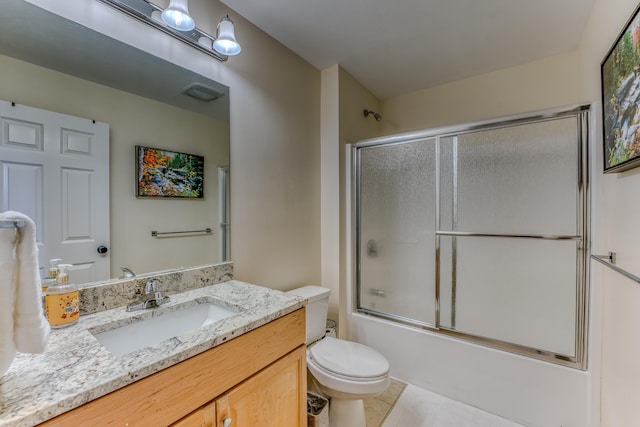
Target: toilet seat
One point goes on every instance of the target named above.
(347, 370)
(348, 360)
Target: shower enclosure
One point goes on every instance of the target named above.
(479, 232)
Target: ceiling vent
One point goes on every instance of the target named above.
(202, 92)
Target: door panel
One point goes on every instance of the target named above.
(56, 171)
(76, 204)
(16, 177)
(271, 397)
(22, 134)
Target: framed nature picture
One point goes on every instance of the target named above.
(620, 73)
(163, 173)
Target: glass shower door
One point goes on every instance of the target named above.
(510, 234)
(396, 230)
(479, 232)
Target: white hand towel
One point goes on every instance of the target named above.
(7, 261)
(23, 326)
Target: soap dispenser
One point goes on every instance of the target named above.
(54, 269)
(62, 300)
(51, 277)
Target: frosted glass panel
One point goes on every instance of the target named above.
(447, 158)
(519, 179)
(397, 229)
(521, 291)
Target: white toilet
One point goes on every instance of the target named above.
(344, 371)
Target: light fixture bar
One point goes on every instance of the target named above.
(144, 11)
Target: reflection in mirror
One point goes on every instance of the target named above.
(54, 64)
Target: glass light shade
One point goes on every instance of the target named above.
(226, 42)
(177, 16)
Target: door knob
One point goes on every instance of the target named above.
(102, 250)
(226, 422)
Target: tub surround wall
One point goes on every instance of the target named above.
(100, 296)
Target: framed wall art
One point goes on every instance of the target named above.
(164, 173)
(620, 73)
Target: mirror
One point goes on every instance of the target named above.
(55, 64)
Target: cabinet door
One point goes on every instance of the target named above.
(275, 396)
(203, 417)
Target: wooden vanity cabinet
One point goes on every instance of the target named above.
(257, 379)
(269, 398)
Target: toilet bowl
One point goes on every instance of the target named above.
(346, 372)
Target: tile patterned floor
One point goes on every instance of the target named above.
(377, 408)
(405, 405)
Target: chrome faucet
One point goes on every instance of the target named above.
(152, 297)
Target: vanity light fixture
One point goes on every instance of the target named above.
(160, 19)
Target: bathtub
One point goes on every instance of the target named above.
(521, 389)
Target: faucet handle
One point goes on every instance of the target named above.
(151, 287)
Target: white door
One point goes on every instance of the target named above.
(55, 169)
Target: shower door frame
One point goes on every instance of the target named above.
(582, 238)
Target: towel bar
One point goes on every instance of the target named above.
(156, 233)
(515, 236)
(610, 261)
(11, 223)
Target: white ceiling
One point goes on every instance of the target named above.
(394, 47)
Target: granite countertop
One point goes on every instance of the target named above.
(76, 369)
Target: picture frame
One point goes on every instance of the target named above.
(620, 84)
(164, 173)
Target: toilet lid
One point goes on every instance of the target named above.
(348, 358)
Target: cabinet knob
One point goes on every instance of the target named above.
(226, 422)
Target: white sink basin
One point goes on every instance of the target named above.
(145, 333)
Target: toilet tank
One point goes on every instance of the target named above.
(317, 308)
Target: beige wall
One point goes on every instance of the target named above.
(275, 162)
(135, 120)
(549, 82)
(330, 186)
(354, 99)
